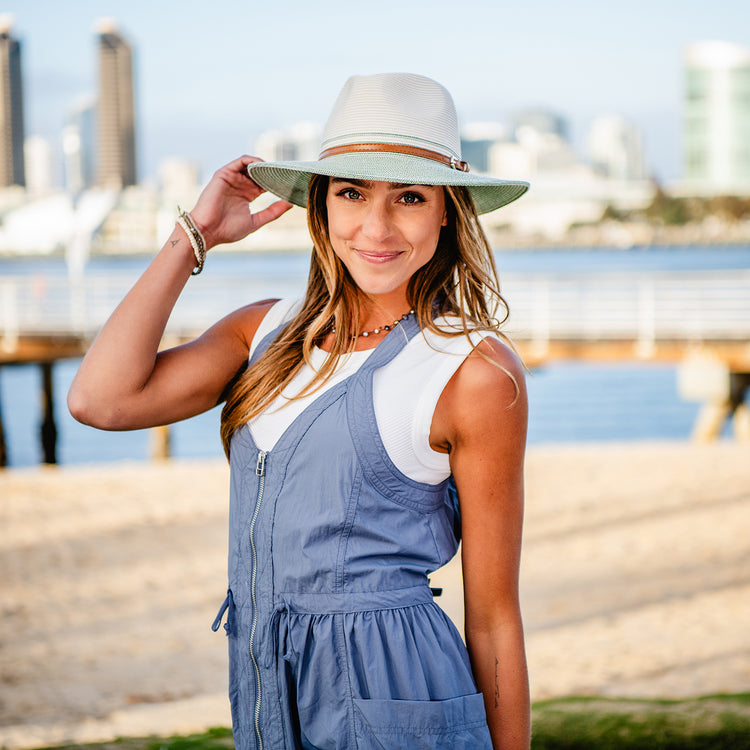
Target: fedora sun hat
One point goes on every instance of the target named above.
(390, 127)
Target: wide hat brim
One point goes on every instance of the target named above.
(289, 179)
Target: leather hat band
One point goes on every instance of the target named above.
(394, 148)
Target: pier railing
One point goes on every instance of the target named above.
(642, 308)
(645, 309)
(705, 315)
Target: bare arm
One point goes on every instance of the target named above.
(124, 382)
(481, 419)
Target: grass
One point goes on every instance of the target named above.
(719, 722)
(218, 738)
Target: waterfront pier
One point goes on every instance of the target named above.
(700, 319)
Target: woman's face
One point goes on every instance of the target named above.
(384, 232)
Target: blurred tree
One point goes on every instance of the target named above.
(667, 209)
(729, 207)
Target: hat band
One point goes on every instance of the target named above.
(394, 148)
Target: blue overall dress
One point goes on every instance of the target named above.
(334, 638)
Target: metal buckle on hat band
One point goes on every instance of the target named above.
(462, 166)
(397, 148)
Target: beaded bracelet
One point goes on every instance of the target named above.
(194, 235)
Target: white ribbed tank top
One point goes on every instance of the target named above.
(405, 391)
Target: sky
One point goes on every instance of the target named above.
(210, 76)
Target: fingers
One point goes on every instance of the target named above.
(246, 162)
(243, 163)
(235, 172)
(240, 164)
(269, 214)
(245, 159)
(223, 205)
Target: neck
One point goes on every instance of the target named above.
(376, 311)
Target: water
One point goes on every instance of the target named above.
(664, 258)
(569, 401)
(77, 443)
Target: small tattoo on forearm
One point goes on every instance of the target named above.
(497, 685)
(173, 242)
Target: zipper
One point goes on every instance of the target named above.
(260, 470)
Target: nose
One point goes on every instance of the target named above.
(376, 224)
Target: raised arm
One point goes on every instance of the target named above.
(124, 382)
(481, 419)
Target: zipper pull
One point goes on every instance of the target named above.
(260, 467)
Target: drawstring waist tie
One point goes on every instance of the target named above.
(301, 603)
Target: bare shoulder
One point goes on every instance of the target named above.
(251, 313)
(485, 398)
(243, 322)
(493, 370)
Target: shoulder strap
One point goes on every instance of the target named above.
(393, 343)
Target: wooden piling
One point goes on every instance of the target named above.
(716, 411)
(48, 429)
(161, 443)
(3, 448)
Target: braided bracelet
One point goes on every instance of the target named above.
(194, 235)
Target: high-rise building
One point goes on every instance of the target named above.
(717, 117)
(11, 108)
(79, 146)
(39, 159)
(616, 148)
(542, 121)
(116, 109)
(300, 142)
(477, 139)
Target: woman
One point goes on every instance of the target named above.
(372, 416)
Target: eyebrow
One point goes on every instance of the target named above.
(369, 183)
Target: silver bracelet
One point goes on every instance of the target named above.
(194, 235)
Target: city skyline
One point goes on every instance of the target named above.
(717, 116)
(12, 167)
(116, 131)
(209, 80)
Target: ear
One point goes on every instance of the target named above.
(444, 222)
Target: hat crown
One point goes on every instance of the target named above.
(395, 108)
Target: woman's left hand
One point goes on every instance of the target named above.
(222, 213)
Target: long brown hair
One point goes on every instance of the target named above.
(460, 280)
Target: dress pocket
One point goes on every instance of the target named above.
(453, 724)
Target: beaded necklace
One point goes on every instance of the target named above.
(382, 329)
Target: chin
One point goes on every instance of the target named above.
(377, 290)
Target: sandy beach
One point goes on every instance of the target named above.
(635, 581)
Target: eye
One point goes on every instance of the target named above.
(350, 193)
(411, 198)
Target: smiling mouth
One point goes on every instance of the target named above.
(374, 257)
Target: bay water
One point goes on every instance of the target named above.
(570, 401)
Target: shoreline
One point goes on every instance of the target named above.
(635, 583)
(606, 237)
